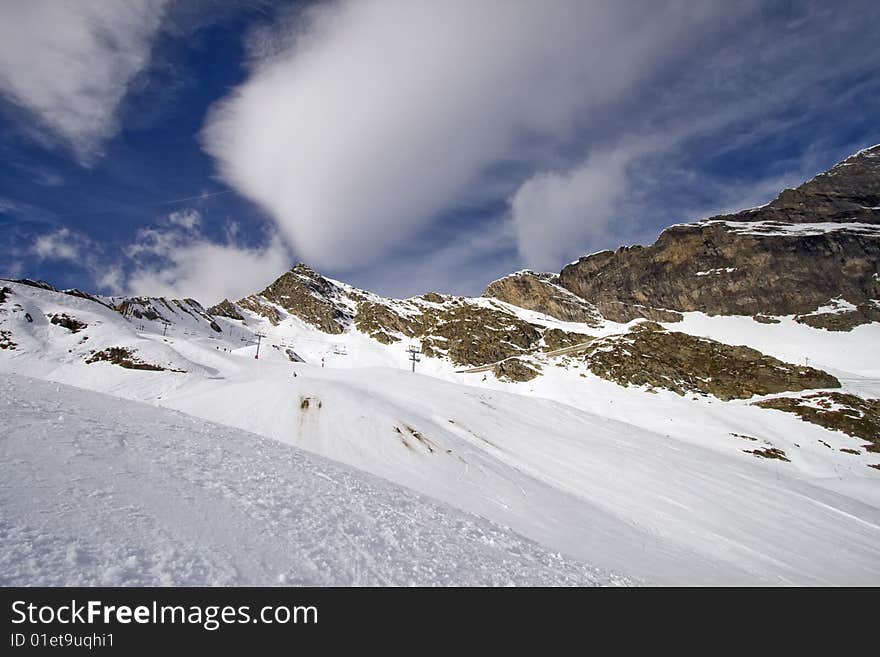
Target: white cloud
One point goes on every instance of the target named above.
(175, 259)
(66, 245)
(362, 123)
(381, 114)
(187, 219)
(69, 63)
(61, 244)
(637, 179)
(552, 211)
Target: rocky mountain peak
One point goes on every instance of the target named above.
(812, 246)
(848, 192)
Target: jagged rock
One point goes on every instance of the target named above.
(651, 356)
(766, 319)
(542, 293)
(74, 292)
(376, 319)
(849, 191)
(311, 297)
(555, 338)
(468, 333)
(513, 369)
(3, 292)
(226, 309)
(743, 273)
(617, 311)
(43, 285)
(478, 336)
(140, 307)
(839, 411)
(259, 307)
(786, 258)
(847, 320)
(72, 324)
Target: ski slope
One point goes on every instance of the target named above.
(102, 491)
(658, 487)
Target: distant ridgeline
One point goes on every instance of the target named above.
(812, 256)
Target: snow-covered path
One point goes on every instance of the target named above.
(102, 491)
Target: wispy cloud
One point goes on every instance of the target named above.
(69, 63)
(174, 258)
(62, 244)
(77, 249)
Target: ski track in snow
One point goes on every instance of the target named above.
(101, 491)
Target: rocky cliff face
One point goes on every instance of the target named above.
(811, 245)
(542, 293)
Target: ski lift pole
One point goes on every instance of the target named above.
(414, 356)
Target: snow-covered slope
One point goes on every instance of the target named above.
(101, 491)
(733, 438)
(660, 487)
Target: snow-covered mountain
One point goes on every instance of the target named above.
(662, 440)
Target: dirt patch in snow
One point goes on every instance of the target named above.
(769, 453)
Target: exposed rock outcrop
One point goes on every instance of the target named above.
(226, 309)
(513, 369)
(542, 293)
(843, 320)
(848, 192)
(260, 307)
(467, 333)
(815, 243)
(64, 320)
(729, 270)
(650, 356)
(854, 416)
(164, 310)
(125, 358)
(555, 338)
(308, 295)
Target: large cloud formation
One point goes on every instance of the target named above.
(362, 123)
(379, 115)
(69, 63)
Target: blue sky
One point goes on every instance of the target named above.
(201, 148)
